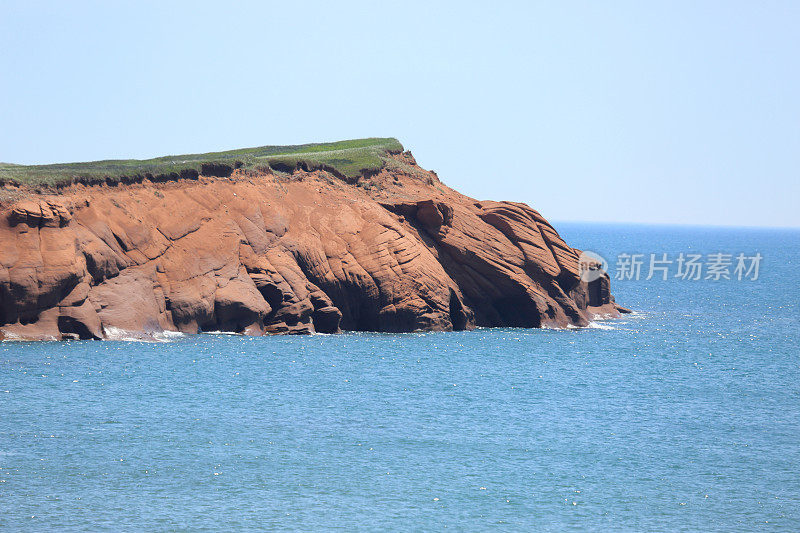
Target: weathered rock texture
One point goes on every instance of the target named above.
(261, 253)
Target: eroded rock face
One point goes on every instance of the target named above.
(259, 253)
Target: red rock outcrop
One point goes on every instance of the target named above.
(261, 253)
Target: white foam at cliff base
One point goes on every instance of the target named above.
(13, 337)
(591, 325)
(118, 334)
(605, 316)
(166, 335)
(599, 325)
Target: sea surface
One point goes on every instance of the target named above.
(684, 416)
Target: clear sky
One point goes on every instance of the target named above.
(676, 112)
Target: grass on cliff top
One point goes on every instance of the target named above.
(348, 159)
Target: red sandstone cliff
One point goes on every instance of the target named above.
(265, 253)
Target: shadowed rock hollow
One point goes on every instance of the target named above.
(262, 252)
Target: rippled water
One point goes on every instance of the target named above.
(685, 416)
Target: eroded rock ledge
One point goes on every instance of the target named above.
(260, 253)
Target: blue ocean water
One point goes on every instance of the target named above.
(682, 417)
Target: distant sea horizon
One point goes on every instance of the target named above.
(557, 223)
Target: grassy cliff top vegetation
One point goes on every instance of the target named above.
(346, 159)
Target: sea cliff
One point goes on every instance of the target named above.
(315, 241)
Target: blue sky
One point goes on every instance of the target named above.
(671, 112)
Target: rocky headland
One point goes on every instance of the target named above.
(291, 245)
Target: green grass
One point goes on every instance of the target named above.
(347, 159)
